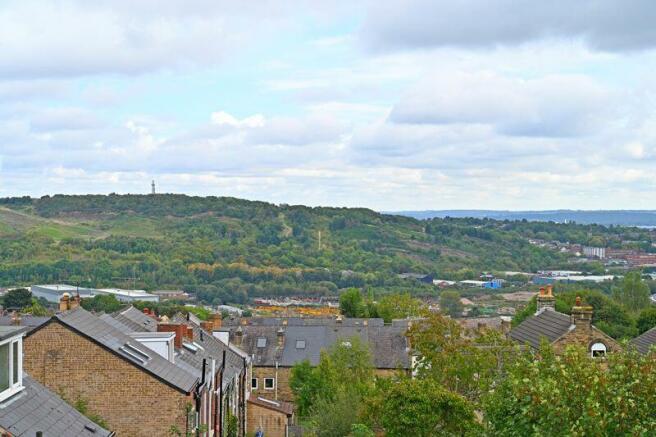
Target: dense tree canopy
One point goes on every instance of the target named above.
(229, 250)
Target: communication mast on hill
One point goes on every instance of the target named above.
(152, 185)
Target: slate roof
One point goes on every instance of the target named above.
(38, 409)
(212, 347)
(26, 320)
(11, 331)
(645, 341)
(133, 320)
(285, 408)
(387, 343)
(121, 344)
(548, 324)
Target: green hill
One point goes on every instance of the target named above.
(228, 249)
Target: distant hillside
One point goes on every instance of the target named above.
(228, 250)
(610, 217)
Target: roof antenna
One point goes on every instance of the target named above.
(152, 185)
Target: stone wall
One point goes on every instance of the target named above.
(585, 336)
(131, 401)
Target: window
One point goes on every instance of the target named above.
(261, 342)
(254, 384)
(598, 350)
(269, 383)
(300, 344)
(11, 367)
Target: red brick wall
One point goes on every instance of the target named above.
(131, 401)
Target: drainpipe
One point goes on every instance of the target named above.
(221, 395)
(275, 383)
(244, 380)
(210, 396)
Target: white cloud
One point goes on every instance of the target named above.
(611, 25)
(222, 118)
(546, 106)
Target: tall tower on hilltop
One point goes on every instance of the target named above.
(152, 185)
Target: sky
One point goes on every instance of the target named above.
(388, 104)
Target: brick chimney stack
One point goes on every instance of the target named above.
(74, 302)
(546, 299)
(239, 335)
(280, 334)
(179, 329)
(215, 318)
(64, 302)
(15, 318)
(581, 315)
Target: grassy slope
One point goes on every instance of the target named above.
(167, 232)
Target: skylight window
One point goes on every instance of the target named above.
(300, 344)
(261, 342)
(190, 346)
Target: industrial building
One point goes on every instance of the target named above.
(53, 292)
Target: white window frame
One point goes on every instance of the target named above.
(593, 350)
(14, 386)
(273, 386)
(253, 386)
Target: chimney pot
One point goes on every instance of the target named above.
(64, 302)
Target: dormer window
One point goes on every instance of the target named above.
(598, 350)
(11, 364)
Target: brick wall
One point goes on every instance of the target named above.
(133, 402)
(273, 423)
(284, 393)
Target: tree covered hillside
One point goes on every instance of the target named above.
(228, 249)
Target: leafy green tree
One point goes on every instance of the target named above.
(450, 303)
(351, 303)
(572, 394)
(633, 293)
(330, 395)
(102, 303)
(464, 364)
(36, 309)
(398, 306)
(423, 407)
(18, 298)
(646, 320)
(306, 385)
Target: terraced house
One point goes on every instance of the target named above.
(275, 345)
(142, 376)
(27, 408)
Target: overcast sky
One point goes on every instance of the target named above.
(413, 104)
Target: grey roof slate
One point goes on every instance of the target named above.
(38, 409)
(115, 339)
(11, 331)
(26, 320)
(387, 343)
(548, 324)
(212, 349)
(645, 341)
